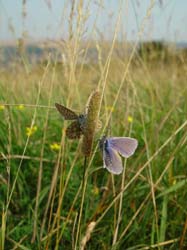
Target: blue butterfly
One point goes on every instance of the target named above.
(112, 147)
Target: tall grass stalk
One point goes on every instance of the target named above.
(25, 147)
(119, 216)
(35, 226)
(84, 183)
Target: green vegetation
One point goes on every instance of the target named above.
(47, 199)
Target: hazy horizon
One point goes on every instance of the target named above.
(48, 20)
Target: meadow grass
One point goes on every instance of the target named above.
(48, 200)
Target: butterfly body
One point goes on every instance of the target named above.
(105, 144)
(112, 148)
(82, 121)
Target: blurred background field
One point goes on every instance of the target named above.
(45, 203)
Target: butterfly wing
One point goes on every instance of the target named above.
(74, 131)
(126, 146)
(112, 160)
(65, 112)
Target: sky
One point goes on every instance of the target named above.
(49, 19)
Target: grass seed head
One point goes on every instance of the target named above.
(91, 122)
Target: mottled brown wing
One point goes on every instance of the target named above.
(65, 112)
(74, 131)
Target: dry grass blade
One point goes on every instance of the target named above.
(87, 236)
(184, 235)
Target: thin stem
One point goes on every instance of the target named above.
(85, 176)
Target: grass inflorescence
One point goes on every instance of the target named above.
(91, 122)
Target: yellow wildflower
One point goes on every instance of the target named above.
(55, 146)
(2, 107)
(174, 181)
(130, 119)
(20, 107)
(110, 108)
(95, 190)
(31, 130)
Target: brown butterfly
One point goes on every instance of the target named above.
(76, 128)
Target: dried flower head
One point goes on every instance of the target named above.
(91, 122)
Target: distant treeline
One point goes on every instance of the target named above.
(161, 51)
(147, 51)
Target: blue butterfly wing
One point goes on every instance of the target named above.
(112, 160)
(126, 146)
